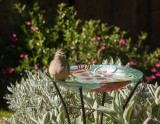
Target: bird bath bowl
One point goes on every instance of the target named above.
(100, 78)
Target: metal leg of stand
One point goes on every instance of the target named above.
(131, 94)
(64, 105)
(82, 104)
(103, 100)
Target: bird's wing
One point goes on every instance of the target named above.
(67, 65)
(52, 69)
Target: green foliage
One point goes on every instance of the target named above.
(34, 99)
(88, 41)
(5, 113)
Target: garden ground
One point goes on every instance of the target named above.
(1, 122)
(6, 114)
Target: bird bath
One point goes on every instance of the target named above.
(98, 78)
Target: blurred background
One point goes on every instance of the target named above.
(133, 16)
(89, 31)
(28, 41)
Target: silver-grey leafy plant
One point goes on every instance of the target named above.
(35, 101)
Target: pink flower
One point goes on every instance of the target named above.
(122, 42)
(10, 70)
(103, 44)
(14, 35)
(35, 28)
(158, 74)
(21, 56)
(15, 39)
(96, 38)
(4, 71)
(36, 67)
(153, 70)
(13, 46)
(94, 61)
(103, 47)
(153, 77)
(132, 63)
(27, 22)
(157, 65)
(46, 69)
(37, 64)
(88, 54)
(148, 79)
(25, 55)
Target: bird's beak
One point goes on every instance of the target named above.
(63, 55)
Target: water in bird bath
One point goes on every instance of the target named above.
(100, 74)
(100, 78)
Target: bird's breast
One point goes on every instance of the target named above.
(61, 67)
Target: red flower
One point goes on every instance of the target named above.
(103, 47)
(153, 70)
(153, 77)
(27, 22)
(132, 63)
(94, 61)
(36, 67)
(10, 70)
(88, 54)
(157, 65)
(148, 79)
(103, 44)
(14, 35)
(158, 74)
(35, 28)
(15, 39)
(122, 42)
(23, 55)
(96, 38)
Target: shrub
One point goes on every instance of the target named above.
(34, 100)
(89, 42)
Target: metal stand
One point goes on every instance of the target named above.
(131, 94)
(64, 105)
(103, 100)
(82, 103)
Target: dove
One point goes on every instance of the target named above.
(59, 68)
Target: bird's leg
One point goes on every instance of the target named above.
(55, 80)
(54, 77)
